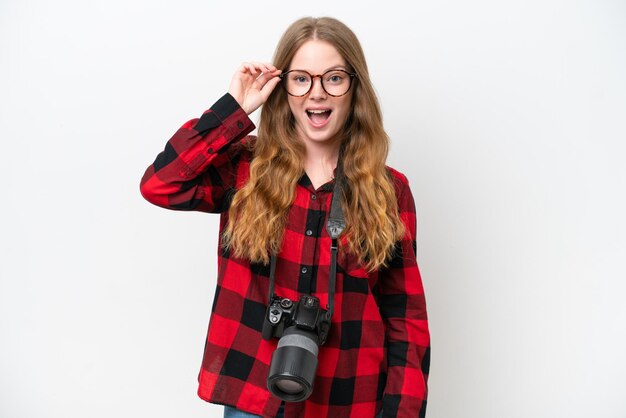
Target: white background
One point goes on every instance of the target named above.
(507, 117)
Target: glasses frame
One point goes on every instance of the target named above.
(321, 77)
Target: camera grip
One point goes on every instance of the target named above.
(268, 328)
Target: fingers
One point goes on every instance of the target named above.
(257, 68)
(260, 74)
(268, 87)
(267, 76)
(252, 84)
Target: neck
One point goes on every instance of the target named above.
(320, 161)
(326, 154)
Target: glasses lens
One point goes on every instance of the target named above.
(336, 82)
(298, 83)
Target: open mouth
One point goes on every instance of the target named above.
(318, 117)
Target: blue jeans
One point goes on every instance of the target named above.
(230, 412)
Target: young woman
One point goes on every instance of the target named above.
(274, 194)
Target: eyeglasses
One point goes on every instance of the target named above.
(299, 83)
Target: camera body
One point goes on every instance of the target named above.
(301, 328)
(306, 314)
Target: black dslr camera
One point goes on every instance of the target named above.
(301, 328)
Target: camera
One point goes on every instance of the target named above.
(301, 328)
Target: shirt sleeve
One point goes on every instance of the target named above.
(403, 309)
(201, 162)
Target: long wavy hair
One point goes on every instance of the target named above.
(258, 211)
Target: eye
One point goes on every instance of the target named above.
(335, 77)
(300, 78)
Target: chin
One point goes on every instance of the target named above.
(320, 137)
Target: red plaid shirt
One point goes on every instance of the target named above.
(378, 350)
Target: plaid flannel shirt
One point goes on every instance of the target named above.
(378, 351)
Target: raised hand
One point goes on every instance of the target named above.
(252, 84)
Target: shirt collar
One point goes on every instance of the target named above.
(305, 182)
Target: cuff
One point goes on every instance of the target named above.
(221, 111)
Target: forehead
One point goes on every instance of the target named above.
(317, 56)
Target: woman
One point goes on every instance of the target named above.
(274, 194)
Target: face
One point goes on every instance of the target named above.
(319, 117)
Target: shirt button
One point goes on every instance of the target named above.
(313, 196)
(304, 270)
(210, 150)
(240, 125)
(309, 232)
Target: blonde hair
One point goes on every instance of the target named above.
(258, 211)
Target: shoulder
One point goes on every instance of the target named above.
(406, 202)
(397, 176)
(400, 181)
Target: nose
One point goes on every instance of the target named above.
(317, 90)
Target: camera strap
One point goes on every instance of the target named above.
(335, 225)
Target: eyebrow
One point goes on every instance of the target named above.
(337, 67)
(334, 67)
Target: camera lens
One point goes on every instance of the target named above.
(289, 386)
(293, 366)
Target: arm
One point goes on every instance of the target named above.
(199, 163)
(203, 161)
(403, 309)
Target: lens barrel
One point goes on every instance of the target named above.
(293, 365)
